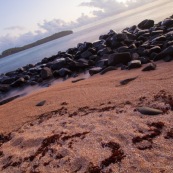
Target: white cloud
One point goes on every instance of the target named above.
(15, 28)
(101, 9)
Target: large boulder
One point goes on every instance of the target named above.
(146, 24)
(7, 80)
(167, 22)
(19, 82)
(119, 58)
(102, 63)
(46, 73)
(86, 54)
(149, 67)
(57, 64)
(4, 87)
(164, 53)
(62, 72)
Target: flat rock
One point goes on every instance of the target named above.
(41, 103)
(149, 111)
(9, 99)
(126, 81)
(110, 68)
(149, 67)
(94, 70)
(134, 64)
(118, 58)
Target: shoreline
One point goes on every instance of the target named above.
(118, 120)
(133, 47)
(101, 111)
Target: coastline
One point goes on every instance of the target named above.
(101, 111)
(117, 120)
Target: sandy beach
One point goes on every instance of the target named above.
(92, 126)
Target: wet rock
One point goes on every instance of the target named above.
(32, 83)
(41, 103)
(165, 52)
(156, 49)
(46, 73)
(118, 58)
(149, 111)
(157, 32)
(9, 99)
(123, 49)
(27, 77)
(134, 64)
(86, 54)
(7, 80)
(57, 64)
(95, 70)
(4, 87)
(168, 58)
(149, 67)
(110, 68)
(35, 70)
(21, 81)
(169, 35)
(167, 22)
(146, 24)
(159, 39)
(104, 51)
(62, 72)
(102, 63)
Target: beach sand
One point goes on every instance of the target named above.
(92, 126)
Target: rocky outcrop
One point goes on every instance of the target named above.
(132, 48)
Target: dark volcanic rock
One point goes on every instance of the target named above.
(86, 54)
(102, 63)
(41, 103)
(57, 64)
(104, 51)
(164, 53)
(4, 87)
(146, 24)
(167, 22)
(118, 58)
(149, 111)
(110, 68)
(95, 70)
(7, 80)
(149, 67)
(21, 81)
(46, 73)
(134, 64)
(62, 72)
(168, 58)
(9, 99)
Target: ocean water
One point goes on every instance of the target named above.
(157, 11)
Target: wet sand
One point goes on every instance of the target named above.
(92, 126)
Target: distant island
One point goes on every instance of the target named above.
(41, 41)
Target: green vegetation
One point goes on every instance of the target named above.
(41, 41)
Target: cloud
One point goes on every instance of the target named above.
(100, 9)
(110, 7)
(15, 28)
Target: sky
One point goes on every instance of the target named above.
(25, 21)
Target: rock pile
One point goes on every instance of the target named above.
(133, 47)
